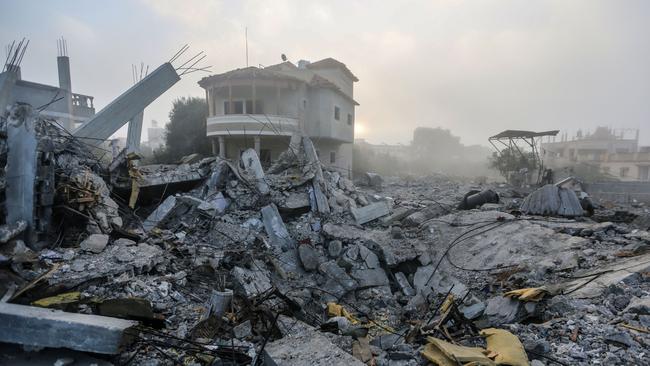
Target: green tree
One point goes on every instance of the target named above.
(185, 133)
(511, 160)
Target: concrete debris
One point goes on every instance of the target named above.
(236, 263)
(95, 243)
(8, 232)
(38, 327)
(371, 212)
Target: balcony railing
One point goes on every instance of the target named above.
(252, 124)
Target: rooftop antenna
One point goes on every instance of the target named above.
(246, 41)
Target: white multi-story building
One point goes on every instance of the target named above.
(262, 107)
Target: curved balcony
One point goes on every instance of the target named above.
(251, 124)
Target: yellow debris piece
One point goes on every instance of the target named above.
(528, 294)
(444, 353)
(506, 346)
(66, 298)
(334, 309)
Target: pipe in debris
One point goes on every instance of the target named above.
(474, 199)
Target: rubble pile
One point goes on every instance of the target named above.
(218, 262)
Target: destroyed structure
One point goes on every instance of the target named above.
(616, 154)
(219, 261)
(261, 107)
(57, 102)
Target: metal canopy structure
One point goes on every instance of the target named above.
(509, 139)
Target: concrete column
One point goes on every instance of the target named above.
(256, 140)
(215, 147)
(65, 83)
(208, 99)
(222, 147)
(254, 96)
(134, 133)
(231, 105)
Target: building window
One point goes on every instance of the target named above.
(349, 119)
(624, 172)
(337, 113)
(332, 157)
(238, 107)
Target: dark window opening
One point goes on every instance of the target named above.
(332, 157)
(337, 113)
(243, 107)
(349, 119)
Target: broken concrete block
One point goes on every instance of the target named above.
(307, 348)
(404, 284)
(216, 205)
(159, 214)
(639, 306)
(95, 243)
(334, 248)
(253, 167)
(371, 277)
(243, 330)
(309, 257)
(335, 273)
(425, 283)
(39, 327)
(275, 228)
(398, 214)
(505, 310)
(371, 212)
(250, 283)
(473, 311)
(296, 203)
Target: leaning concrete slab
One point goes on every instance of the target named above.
(275, 228)
(253, 167)
(127, 106)
(32, 326)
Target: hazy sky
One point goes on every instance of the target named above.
(475, 67)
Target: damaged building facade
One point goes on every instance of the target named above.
(614, 153)
(261, 107)
(68, 108)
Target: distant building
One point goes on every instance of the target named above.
(613, 152)
(156, 135)
(398, 151)
(58, 102)
(260, 108)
